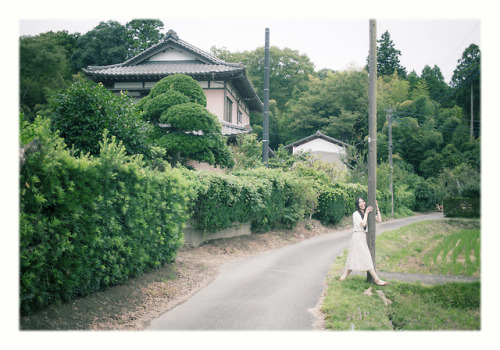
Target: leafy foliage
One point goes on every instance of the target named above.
(466, 79)
(188, 130)
(103, 45)
(44, 69)
(142, 34)
(87, 223)
(82, 112)
(265, 198)
(336, 105)
(183, 84)
(289, 71)
(388, 57)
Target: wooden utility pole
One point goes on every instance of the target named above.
(391, 189)
(265, 116)
(372, 142)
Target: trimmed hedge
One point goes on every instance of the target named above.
(266, 198)
(87, 223)
(461, 207)
(338, 200)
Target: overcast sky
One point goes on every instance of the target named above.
(329, 43)
(333, 34)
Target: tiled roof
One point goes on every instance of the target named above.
(227, 129)
(161, 69)
(233, 130)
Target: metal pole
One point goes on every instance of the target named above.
(372, 141)
(265, 116)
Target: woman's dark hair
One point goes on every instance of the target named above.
(357, 205)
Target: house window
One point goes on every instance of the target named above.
(240, 117)
(229, 111)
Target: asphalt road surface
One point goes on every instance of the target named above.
(270, 291)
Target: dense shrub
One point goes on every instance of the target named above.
(183, 84)
(155, 107)
(265, 198)
(338, 200)
(87, 223)
(425, 195)
(462, 207)
(331, 205)
(284, 198)
(82, 112)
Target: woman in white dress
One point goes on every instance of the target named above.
(359, 257)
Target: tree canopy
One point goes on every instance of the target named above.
(388, 57)
(85, 110)
(45, 68)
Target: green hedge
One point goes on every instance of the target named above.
(265, 198)
(87, 223)
(462, 207)
(338, 200)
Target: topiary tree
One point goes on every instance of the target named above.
(184, 127)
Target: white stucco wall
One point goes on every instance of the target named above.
(319, 145)
(325, 150)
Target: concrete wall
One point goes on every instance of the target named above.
(194, 238)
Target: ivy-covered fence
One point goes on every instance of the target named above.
(86, 223)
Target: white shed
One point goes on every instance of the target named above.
(328, 149)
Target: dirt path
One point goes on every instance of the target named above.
(132, 305)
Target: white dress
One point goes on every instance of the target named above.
(359, 257)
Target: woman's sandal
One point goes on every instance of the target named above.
(381, 283)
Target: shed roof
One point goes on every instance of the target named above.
(317, 135)
(203, 66)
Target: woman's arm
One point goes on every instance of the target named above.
(378, 217)
(364, 222)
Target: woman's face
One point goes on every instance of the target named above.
(362, 204)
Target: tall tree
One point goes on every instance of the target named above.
(44, 69)
(289, 71)
(105, 44)
(388, 57)
(467, 77)
(438, 89)
(336, 105)
(142, 34)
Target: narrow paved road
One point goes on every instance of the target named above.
(270, 291)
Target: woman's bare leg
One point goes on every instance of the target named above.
(344, 276)
(376, 279)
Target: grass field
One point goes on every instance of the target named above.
(444, 247)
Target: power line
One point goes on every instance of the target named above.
(460, 45)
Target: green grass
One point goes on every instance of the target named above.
(450, 306)
(434, 247)
(450, 247)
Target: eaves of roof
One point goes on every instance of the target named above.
(317, 135)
